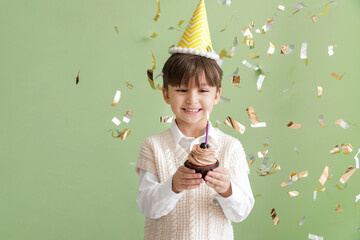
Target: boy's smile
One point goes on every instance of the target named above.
(190, 104)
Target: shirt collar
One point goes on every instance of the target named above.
(178, 135)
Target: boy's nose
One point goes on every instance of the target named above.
(192, 97)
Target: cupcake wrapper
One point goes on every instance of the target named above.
(203, 171)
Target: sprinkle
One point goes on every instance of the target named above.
(324, 176)
(301, 222)
(293, 193)
(347, 148)
(347, 175)
(116, 98)
(336, 149)
(129, 85)
(320, 90)
(321, 120)
(158, 11)
(235, 124)
(342, 123)
(271, 49)
(167, 119)
(315, 237)
(338, 208)
(260, 82)
(274, 217)
(77, 78)
(253, 118)
(127, 116)
(117, 30)
(297, 7)
(293, 125)
(337, 77)
(281, 8)
(331, 50)
(116, 121)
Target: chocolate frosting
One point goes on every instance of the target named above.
(202, 156)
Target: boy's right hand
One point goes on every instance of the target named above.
(185, 178)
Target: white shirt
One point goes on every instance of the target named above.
(156, 200)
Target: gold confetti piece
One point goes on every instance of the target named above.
(321, 13)
(357, 159)
(284, 184)
(219, 123)
(116, 98)
(158, 87)
(303, 52)
(123, 134)
(251, 25)
(129, 85)
(342, 123)
(154, 35)
(236, 81)
(158, 11)
(250, 43)
(127, 116)
(263, 154)
(320, 90)
(347, 175)
(331, 50)
(153, 61)
(341, 188)
(150, 73)
(293, 193)
(301, 222)
(324, 176)
(223, 52)
(338, 208)
(260, 82)
(253, 56)
(321, 120)
(315, 237)
(274, 217)
(224, 99)
(252, 159)
(257, 195)
(347, 148)
(266, 142)
(271, 49)
(293, 125)
(297, 7)
(281, 8)
(77, 78)
(337, 77)
(253, 118)
(167, 119)
(247, 34)
(269, 170)
(314, 19)
(117, 30)
(235, 124)
(116, 121)
(228, 23)
(180, 22)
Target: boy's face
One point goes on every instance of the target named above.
(190, 103)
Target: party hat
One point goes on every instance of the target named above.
(196, 38)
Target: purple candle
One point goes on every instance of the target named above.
(207, 128)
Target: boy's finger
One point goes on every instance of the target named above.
(190, 175)
(186, 170)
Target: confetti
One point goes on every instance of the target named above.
(150, 73)
(294, 177)
(271, 49)
(336, 149)
(251, 25)
(154, 35)
(324, 176)
(287, 49)
(314, 19)
(247, 34)
(320, 90)
(224, 99)
(338, 208)
(347, 175)
(296, 150)
(116, 121)
(281, 8)
(223, 52)
(269, 170)
(77, 78)
(321, 120)
(301, 222)
(297, 7)
(123, 134)
(253, 118)
(228, 23)
(263, 154)
(260, 82)
(252, 159)
(158, 11)
(266, 142)
(274, 217)
(129, 85)
(219, 123)
(250, 43)
(167, 119)
(321, 13)
(286, 90)
(315, 237)
(337, 77)
(236, 81)
(257, 195)
(342, 123)
(180, 22)
(357, 198)
(331, 50)
(253, 56)
(316, 190)
(127, 116)
(225, 2)
(250, 65)
(116, 98)
(117, 30)
(235, 124)
(357, 159)
(293, 125)
(293, 193)
(303, 52)
(347, 148)
(234, 73)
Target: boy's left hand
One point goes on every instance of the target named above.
(219, 180)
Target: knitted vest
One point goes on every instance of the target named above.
(194, 217)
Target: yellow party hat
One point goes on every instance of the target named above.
(196, 38)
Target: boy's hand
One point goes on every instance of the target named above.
(219, 180)
(185, 178)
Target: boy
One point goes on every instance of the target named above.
(176, 201)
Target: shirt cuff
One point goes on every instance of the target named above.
(167, 192)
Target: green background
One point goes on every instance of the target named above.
(62, 175)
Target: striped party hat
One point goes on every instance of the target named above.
(196, 38)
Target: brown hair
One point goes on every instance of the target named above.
(181, 68)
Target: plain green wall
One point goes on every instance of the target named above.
(62, 175)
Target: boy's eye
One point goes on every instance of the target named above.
(204, 90)
(181, 90)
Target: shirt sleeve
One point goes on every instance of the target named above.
(155, 199)
(239, 205)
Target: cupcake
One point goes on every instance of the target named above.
(202, 159)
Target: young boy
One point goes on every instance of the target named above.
(177, 202)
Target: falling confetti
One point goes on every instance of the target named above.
(78, 78)
(260, 82)
(337, 77)
(315, 237)
(338, 208)
(224, 99)
(167, 119)
(342, 123)
(116, 121)
(253, 118)
(228, 23)
(293, 193)
(129, 85)
(127, 116)
(331, 50)
(324, 176)
(271, 49)
(287, 49)
(346, 148)
(321, 121)
(301, 222)
(274, 216)
(293, 125)
(116, 98)
(117, 30)
(235, 124)
(320, 91)
(158, 11)
(154, 35)
(297, 7)
(357, 159)
(336, 149)
(347, 175)
(281, 8)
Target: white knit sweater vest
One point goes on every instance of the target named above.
(194, 217)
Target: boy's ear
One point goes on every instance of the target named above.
(217, 96)
(166, 95)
